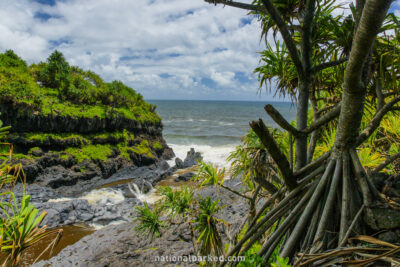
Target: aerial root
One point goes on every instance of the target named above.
(301, 220)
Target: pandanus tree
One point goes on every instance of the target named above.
(336, 65)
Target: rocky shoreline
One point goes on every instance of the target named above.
(120, 245)
(103, 201)
(109, 207)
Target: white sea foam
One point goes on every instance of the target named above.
(97, 226)
(222, 123)
(105, 196)
(215, 154)
(62, 199)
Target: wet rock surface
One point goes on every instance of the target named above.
(184, 177)
(97, 208)
(192, 158)
(120, 245)
(109, 203)
(93, 200)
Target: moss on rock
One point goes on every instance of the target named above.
(64, 116)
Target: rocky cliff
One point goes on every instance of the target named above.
(70, 127)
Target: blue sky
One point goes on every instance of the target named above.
(164, 49)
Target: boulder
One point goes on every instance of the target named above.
(179, 163)
(389, 236)
(184, 177)
(386, 218)
(37, 152)
(192, 158)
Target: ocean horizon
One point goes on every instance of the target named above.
(213, 127)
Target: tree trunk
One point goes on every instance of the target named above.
(343, 186)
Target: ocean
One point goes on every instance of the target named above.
(213, 128)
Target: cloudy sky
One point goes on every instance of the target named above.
(164, 49)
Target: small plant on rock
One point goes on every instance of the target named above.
(205, 223)
(148, 221)
(177, 202)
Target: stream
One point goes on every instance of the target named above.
(102, 195)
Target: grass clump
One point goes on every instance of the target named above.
(208, 174)
(46, 137)
(90, 152)
(177, 202)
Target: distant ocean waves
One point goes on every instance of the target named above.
(202, 139)
(213, 128)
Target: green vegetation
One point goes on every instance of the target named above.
(206, 223)
(148, 221)
(341, 68)
(143, 149)
(19, 223)
(20, 227)
(178, 202)
(200, 213)
(208, 174)
(56, 88)
(85, 146)
(90, 152)
(157, 145)
(46, 137)
(81, 139)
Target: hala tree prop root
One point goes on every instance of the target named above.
(303, 218)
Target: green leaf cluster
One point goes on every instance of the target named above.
(56, 88)
(177, 202)
(148, 221)
(205, 223)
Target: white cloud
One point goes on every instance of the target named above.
(161, 48)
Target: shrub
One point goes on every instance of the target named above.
(56, 74)
(148, 221)
(206, 225)
(208, 174)
(177, 202)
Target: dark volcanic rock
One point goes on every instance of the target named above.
(164, 165)
(37, 152)
(379, 179)
(28, 121)
(119, 245)
(168, 153)
(389, 236)
(385, 218)
(179, 163)
(192, 158)
(140, 175)
(184, 177)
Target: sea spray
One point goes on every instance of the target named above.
(216, 154)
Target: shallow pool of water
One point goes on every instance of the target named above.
(71, 235)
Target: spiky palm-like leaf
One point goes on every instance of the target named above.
(206, 225)
(148, 221)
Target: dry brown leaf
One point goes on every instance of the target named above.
(374, 240)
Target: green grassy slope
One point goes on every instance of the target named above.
(55, 87)
(62, 94)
